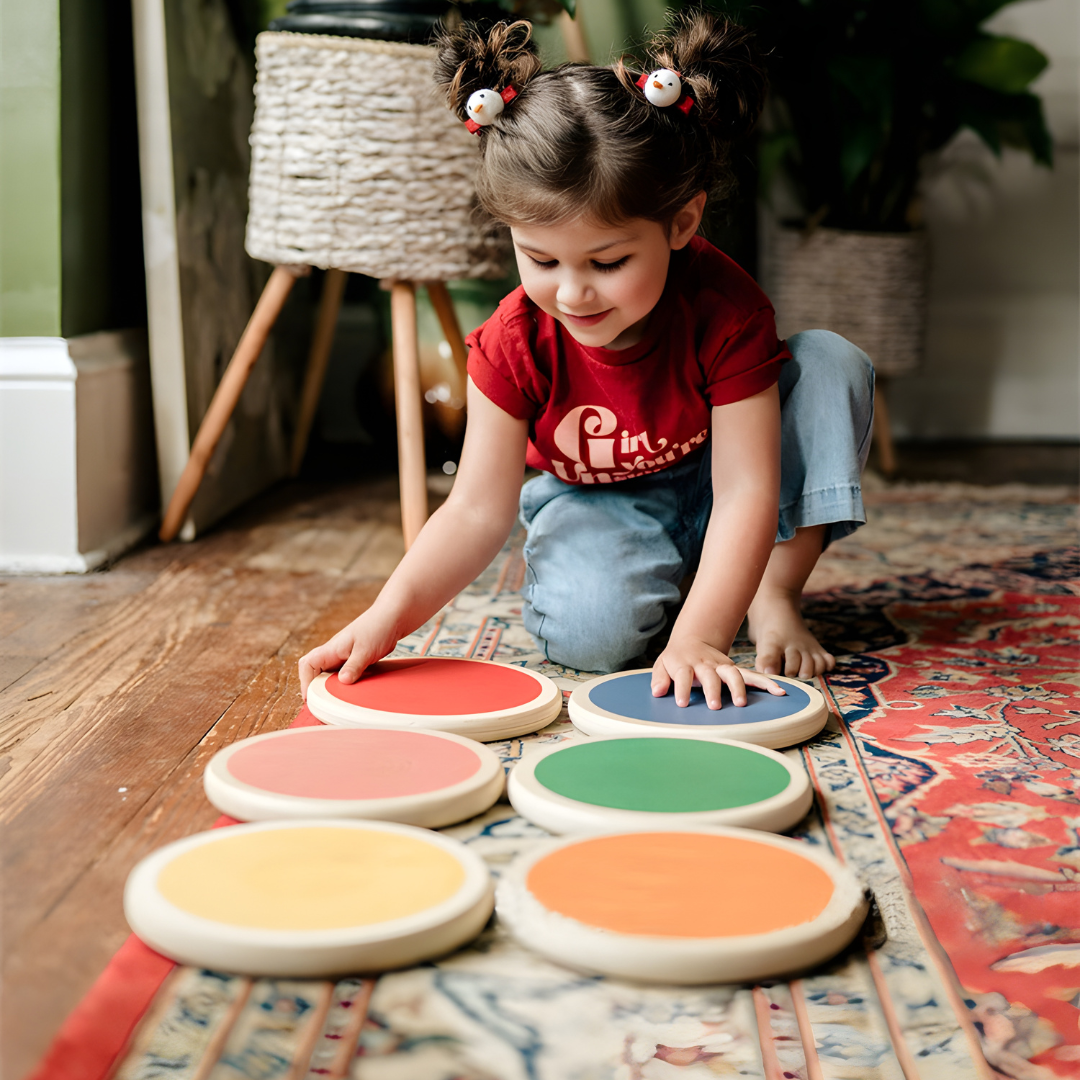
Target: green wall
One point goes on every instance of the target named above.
(70, 220)
(84, 167)
(30, 264)
(103, 283)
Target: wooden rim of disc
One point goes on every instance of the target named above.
(561, 814)
(456, 915)
(430, 809)
(594, 719)
(484, 726)
(597, 949)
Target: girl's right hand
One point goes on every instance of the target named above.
(455, 544)
(349, 652)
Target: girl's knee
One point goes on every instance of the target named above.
(834, 362)
(603, 643)
(591, 631)
(603, 652)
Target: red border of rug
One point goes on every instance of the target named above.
(99, 1029)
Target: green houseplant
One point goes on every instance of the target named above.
(862, 91)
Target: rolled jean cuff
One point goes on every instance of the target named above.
(839, 508)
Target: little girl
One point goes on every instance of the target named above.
(638, 368)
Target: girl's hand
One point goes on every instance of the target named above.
(687, 658)
(349, 652)
(456, 543)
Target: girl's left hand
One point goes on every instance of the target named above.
(686, 659)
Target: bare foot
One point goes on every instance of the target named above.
(785, 645)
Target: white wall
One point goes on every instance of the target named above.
(1003, 346)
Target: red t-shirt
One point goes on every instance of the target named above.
(601, 415)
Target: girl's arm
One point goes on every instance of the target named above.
(738, 541)
(454, 546)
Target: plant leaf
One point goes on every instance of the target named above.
(961, 17)
(773, 149)
(1025, 128)
(1015, 120)
(868, 79)
(1001, 63)
(984, 125)
(858, 146)
(863, 106)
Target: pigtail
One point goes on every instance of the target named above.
(586, 141)
(720, 65)
(469, 58)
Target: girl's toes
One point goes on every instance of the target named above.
(768, 660)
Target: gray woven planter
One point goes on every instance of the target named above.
(869, 287)
(357, 164)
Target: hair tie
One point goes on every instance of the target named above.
(663, 87)
(485, 106)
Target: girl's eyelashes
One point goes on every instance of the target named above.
(605, 267)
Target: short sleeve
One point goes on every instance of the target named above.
(745, 361)
(500, 364)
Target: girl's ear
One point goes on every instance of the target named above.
(686, 221)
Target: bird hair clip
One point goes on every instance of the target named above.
(485, 106)
(663, 87)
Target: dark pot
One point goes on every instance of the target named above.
(387, 20)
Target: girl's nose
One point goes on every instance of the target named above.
(573, 292)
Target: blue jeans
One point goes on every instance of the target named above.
(604, 562)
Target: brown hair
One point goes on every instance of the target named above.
(582, 141)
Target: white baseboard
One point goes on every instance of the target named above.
(83, 563)
(76, 448)
(38, 501)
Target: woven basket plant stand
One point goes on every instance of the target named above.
(357, 166)
(869, 287)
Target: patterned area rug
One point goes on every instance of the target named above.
(949, 780)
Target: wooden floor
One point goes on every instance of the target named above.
(997, 462)
(115, 689)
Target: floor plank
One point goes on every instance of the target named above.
(120, 704)
(59, 953)
(38, 616)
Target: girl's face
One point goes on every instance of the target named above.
(601, 281)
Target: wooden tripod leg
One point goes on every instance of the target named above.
(410, 419)
(451, 328)
(321, 341)
(226, 396)
(883, 432)
(577, 50)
